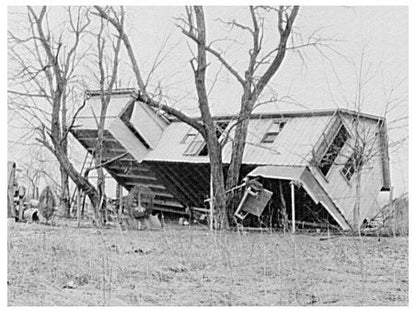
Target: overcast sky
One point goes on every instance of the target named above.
(319, 79)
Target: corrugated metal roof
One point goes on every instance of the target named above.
(292, 146)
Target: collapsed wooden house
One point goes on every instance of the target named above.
(302, 157)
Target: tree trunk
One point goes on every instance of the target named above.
(217, 175)
(77, 178)
(283, 209)
(239, 144)
(100, 177)
(210, 131)
(65, 197)
(65, 204)
(356, 212)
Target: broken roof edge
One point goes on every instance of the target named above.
(299, 113)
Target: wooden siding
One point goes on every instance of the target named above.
(145, 121)
(342, 191)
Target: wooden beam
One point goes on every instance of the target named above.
(143, 182)
(134, 170)
(94, 139)
(163, 196)
(78, 207)
(143, 177)
(158, 188)
(129, 162)
(211, 204)
(168, 203)
(112, 152)
(292, 193)
(163, 209)
(119, 201)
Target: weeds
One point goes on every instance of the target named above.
(64, 265)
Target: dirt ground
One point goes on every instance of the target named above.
(66, 266)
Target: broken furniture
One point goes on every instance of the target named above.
(254, 200)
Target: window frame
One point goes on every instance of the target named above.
(273, 133)
(319, 164)
(191, 133)
(198, 139)
(191, 146)
(351, 170)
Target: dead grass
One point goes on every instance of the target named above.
(63, 265)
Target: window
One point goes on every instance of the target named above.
(333, 150)
(349, 167)
(221, 126)
(189, 136)
(273, 131)
(348, 170)
(197, 145)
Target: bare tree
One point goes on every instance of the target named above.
(255, 77)
(262, 66)
(37, 171)
(47, 74)
(106, 82)
(359, 144)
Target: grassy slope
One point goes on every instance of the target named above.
(63, 265)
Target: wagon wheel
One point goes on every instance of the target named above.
(47, 203)
(140, 196)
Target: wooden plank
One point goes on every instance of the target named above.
(127, 162)
(134, 170)
(94, 139)
(158, 188)
(164, 196)
(142, 177)
(292, 193)
(164, 209)
(170, 203)
(143, 182)
(112, 153)
(78, 207)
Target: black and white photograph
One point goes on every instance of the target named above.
(207, 154)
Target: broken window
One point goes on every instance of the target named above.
(197, 145)
(333, 150)
(273, 131)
